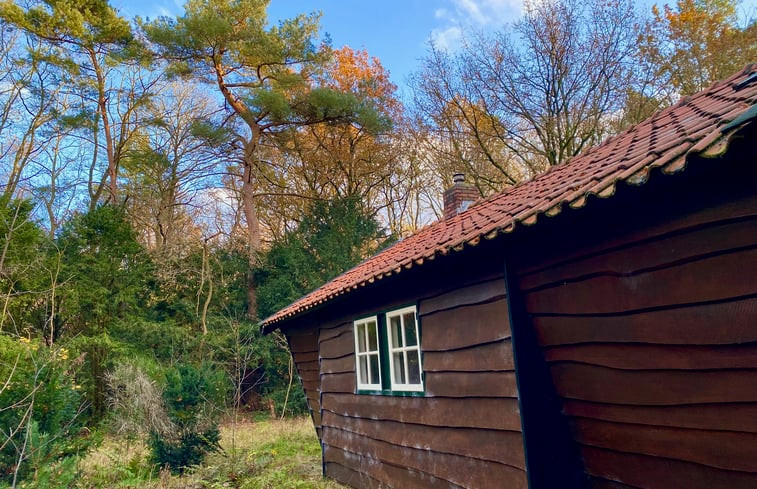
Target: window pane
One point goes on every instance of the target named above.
(396, 330)
(399, 367)
(412, 340)
(360, 337)
(374, 369)
(413, 367)
(372, 336)
(363, 363)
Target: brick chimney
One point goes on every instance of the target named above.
(459, 196)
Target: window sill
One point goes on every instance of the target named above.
(388, 392)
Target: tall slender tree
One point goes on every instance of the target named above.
(92, 46)
(264, 75)
(534, 94)
(171, 165)
(325, 161)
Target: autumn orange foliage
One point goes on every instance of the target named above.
(697, 42)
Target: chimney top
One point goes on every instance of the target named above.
(459, 196)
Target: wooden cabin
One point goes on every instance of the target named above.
(593, 327)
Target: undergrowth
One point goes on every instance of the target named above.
(256, 454)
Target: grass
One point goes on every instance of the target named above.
(257, 454)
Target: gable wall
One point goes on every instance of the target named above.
(465, 431)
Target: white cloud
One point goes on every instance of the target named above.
(472, 10)
(487, 12)
(471, 14)
(447, 39)
(441, 13)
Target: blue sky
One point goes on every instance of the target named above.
(396, 31)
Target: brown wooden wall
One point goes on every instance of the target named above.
(650, 332)
(303, 344)
(465, 431)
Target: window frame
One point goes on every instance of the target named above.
(367, 353)
(387, 387)
(404, 350)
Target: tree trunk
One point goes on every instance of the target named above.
(102, 108)
(253, 233)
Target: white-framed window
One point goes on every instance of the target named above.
(404, 352)
(367, 355)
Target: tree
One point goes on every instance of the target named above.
(29, 102)
(57, 175)
(696, 43)
(533, 95)
(21, 278)
(190, 396)
(325, 160)
(171, 163)
(332, 237)
(40, 412)
(104, 268)
(90, 44)
(264, 75)
(458, 134)
(347, 160)
(105, 277)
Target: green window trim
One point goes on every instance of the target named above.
(393, 359)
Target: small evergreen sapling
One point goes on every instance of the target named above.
(191, 395)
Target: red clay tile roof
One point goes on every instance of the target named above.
(693, 125)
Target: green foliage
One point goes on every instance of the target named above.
(331, 238)
(71, 21)
(188, 450)
(162, 341)
(192, 396)
(54, 474)
(41, 415)
(20, 236)
(105, 270)
(23, 264)
(272, 86)
(99, 353)
(106, 277)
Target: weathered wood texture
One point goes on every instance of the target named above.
(650, 332)
(463, 432)
(304, 348)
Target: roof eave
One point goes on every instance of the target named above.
(673, 161)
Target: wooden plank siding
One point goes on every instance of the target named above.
(464, 432)
(303, 344)
(633, 336)
(651, 340)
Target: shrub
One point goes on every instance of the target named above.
(191, 398)
(135, 402)
(40, 412)
(164, 340)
